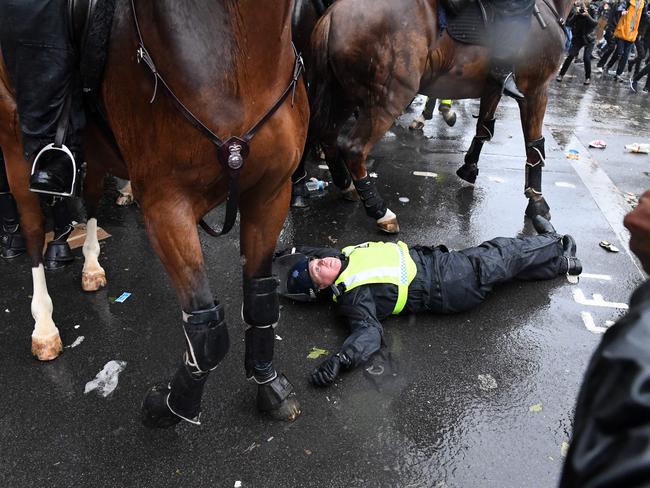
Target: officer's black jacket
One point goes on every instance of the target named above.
(611, 432)
(365, 307)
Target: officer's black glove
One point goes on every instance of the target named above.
(284, 252)
(326, 373)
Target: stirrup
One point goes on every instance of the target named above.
(75, 169)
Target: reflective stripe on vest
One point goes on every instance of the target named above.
(379, 262)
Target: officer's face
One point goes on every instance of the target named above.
(324, 271)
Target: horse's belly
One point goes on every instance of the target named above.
(451, 87)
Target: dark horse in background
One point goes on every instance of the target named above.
(374, 56)
(229, 62)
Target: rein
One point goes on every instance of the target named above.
(232, 151)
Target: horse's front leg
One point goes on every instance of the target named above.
(367, 131)
(46, 341)
(176, 241)
(532, 110)
(262, 217)
(484, 133)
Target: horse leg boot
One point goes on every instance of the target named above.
(484, 133)
(207, 341)
(535, 157)
(261, 312)
(340, 174)
(58, 253)
(376, 206)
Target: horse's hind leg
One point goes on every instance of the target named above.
(176, 241)
(46, 342)
(532, 110)
(93, 276)
(484, 133)
(261, 311)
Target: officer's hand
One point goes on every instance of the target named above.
(326, 373)
(638, 223)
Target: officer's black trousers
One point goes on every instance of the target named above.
(37, 50)
(464, 278)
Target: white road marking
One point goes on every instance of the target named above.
(564, 184)
(591, 326)
(426, 174)
(596, 301)
(601, 277)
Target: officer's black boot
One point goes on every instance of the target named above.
(58, 253)
(504, 76)
(54, 173)
(11, 240)
(569, 248)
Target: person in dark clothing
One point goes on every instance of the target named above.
(40, 60)
(12, 243)
(611, 429)
(506, 35)
(373, 280)
(615, 11)
(582, 21)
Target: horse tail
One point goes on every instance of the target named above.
(321, 79)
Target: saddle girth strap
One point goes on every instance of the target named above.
(231, 152)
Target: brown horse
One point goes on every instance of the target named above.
(229, 62)
(376, 55)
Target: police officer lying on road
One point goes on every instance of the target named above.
(373, 280)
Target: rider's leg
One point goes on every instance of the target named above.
(507, 35)
(40, 60)
(12, 243)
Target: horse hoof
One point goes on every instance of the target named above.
(417, 124)
(93, 281)
(389, 226)
(277, 399)
(449, 118)
(287, 411)
(468, 172)
(47, 348)
(124, 200)
(538, 206)
(155, 413)
(350, 194)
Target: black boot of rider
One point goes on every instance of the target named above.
(504, 76)
(58, 253)
(12, 243)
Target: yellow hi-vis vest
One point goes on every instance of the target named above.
(379, 262)
(628, 26)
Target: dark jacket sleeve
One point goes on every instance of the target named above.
(611, 433)
(357, 306)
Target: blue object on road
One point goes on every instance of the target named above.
(122, 298)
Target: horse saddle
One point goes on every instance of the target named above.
(90, 24)
(467, 20)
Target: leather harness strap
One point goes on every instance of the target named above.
(231, 152)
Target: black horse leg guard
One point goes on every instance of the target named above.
(535, 159)
(372, 200)
(207, 341)
(262, 312)
(429, 106)
(484, 132)
(58, 253)
(340, 175)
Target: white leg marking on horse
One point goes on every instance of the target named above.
(93, 276)
(42, 306)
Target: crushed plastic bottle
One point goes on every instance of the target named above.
(315, 185)
(638, 148)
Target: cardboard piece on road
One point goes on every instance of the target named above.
(78, 236)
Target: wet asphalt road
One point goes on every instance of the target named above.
(480, 399)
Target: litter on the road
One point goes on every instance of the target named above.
(237, 484)
(426, 174)
(316, 352)
(638, 148)
(278, 338)
(487, 382)
(76, 342)
(608, 246)
(573, 154)
(536, 408)
(404, 199)
(106, 380)
(496, 179)
(598, 144)
(122, 298)
(564, 449)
